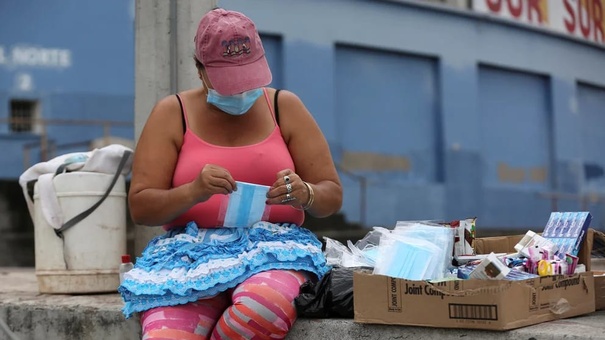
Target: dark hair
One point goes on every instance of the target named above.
(198, 63)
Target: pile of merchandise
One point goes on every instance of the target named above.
(431, 250)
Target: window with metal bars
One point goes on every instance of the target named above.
(23, 115)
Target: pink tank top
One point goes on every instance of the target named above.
(257, 163)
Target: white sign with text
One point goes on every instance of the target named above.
(35, 56)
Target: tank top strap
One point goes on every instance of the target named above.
(271, 108)
(183, 112)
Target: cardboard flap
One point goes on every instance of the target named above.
(599, 282)
(598, 245)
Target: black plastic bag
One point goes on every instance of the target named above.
(330, 297)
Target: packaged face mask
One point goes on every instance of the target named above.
(436, 235)
(407, 258)
(246, 206)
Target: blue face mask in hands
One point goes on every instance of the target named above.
(246, 206)
(234, 105)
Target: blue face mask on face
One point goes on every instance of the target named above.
(234, 105)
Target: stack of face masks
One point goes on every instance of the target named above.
(415, 252)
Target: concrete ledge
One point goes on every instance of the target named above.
(90, 317)
(78, 322)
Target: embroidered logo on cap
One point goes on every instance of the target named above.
(236, 46)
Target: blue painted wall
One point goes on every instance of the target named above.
(591, 107)
(430, 113)
(436, 114)
(76, 58)
(272, 45)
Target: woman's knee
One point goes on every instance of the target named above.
(264, 304)
(194, 320)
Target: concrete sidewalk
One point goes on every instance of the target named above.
(31, 315)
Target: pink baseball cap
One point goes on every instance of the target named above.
(229, 47)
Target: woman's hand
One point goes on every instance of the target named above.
(289, 189)
(212, 180)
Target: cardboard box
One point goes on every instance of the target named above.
(473, 304)
(506, 244)
(599, 289)
(479, 304)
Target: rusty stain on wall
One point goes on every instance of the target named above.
(510, 174)
(539, 174)
(507, 173)
(368, 161)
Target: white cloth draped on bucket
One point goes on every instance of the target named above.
(102, 160)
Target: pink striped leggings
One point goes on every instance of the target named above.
(262, 307)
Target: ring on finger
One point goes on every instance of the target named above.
(287, 179)
(288, 198)
(289, 188)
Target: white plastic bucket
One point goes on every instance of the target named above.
(86, 260)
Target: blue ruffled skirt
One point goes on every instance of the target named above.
(188, 264)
